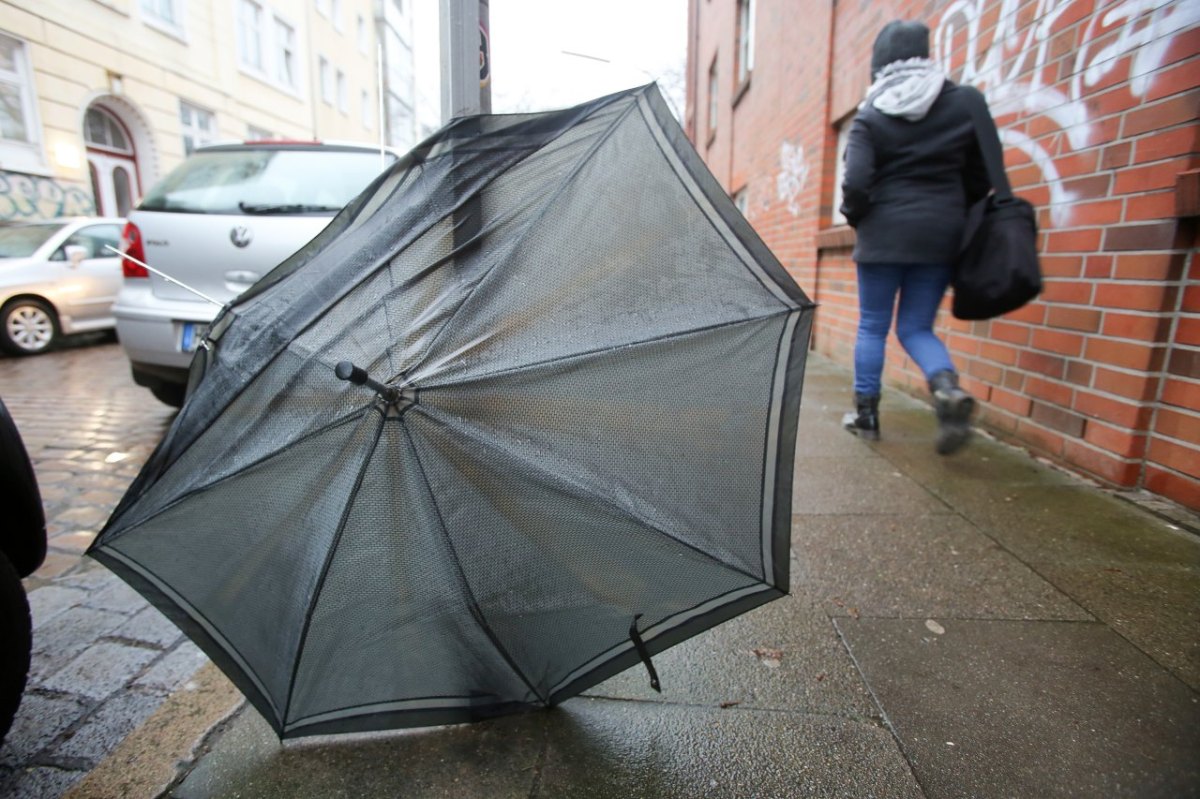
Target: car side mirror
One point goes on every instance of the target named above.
(76, 254)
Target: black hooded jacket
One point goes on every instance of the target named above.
(908, 185)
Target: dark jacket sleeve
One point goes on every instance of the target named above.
(975, 177)
(860, 171)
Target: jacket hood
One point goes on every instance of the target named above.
(907, 89)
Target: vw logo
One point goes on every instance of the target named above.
(241, 236)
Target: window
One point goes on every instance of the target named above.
(322, 7)
(745, 33)
(366, 109)
(19, 134)
(285, 54)
(94, 239)
(343, 100)
(266, 43)
(741, 200)
(198, 126)
(839, 171)
(101, 129)
(326, 74)
(712, 100)
(335, 14)
(166, 15)
(215, 182)
(249, 34)
(254, 133)
(363, 41)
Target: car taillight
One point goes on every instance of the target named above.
(131, 245)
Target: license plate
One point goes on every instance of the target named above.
(193, 334)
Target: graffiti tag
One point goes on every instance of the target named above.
(1018, 74)
(35, 197)
(793, 173)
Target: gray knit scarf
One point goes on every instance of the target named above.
(906, 89)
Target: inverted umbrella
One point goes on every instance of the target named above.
(522, 416)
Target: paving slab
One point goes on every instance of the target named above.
(106, 727)
(600, 749)
(1077, 524)
(56, 643)
(1156, 607)
(918, 566)
(39, 720)
(785, 655)
(854, 484)
(100, 670)
(1022, 709)
(40, 782)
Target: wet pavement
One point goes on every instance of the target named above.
(103, 660)
(980, 626)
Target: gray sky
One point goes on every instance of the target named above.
(641, 40)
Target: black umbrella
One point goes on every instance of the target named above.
(521, 416)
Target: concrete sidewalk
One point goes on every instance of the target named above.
(980, 625)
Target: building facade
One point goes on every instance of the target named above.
(100, 98)
(1097, 103)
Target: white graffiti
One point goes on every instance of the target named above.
(793, 174)
(1019, 74)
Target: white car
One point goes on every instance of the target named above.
(56, 278)
(217, 223)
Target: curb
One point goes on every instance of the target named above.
(147, 762)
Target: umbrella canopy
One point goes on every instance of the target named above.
(561, 440)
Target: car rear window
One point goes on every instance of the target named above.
(267, 180)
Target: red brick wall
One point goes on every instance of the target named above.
(1098, 105)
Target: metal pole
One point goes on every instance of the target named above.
(466, 59)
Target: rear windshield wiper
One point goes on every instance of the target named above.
(292, 208)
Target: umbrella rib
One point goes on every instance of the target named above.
(472, 602)
(547, 205)
(333, 545)
(569, 356)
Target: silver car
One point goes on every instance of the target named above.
(221, 220)
(56, 278)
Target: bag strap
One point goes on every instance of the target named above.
(989, 143)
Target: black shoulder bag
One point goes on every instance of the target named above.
(997, 268)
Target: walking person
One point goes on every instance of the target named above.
(913, 168)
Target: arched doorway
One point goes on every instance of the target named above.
(112, 162)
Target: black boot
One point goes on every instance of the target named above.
(865, 421)
(954, 408)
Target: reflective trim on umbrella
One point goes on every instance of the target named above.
(772, 454)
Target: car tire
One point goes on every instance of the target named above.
(28, 327)
(16, 631)
(169, 393)
(23, 535)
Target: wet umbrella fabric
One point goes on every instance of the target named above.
(583, 455)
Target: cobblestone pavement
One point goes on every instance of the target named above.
(103, 659)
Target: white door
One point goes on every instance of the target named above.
(114, 181)
(112, 162)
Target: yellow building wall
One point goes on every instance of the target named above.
(82, 51)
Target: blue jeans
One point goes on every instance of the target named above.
(921, 287)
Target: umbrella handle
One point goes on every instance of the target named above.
(359, 377)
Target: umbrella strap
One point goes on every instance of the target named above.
(640, 646)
